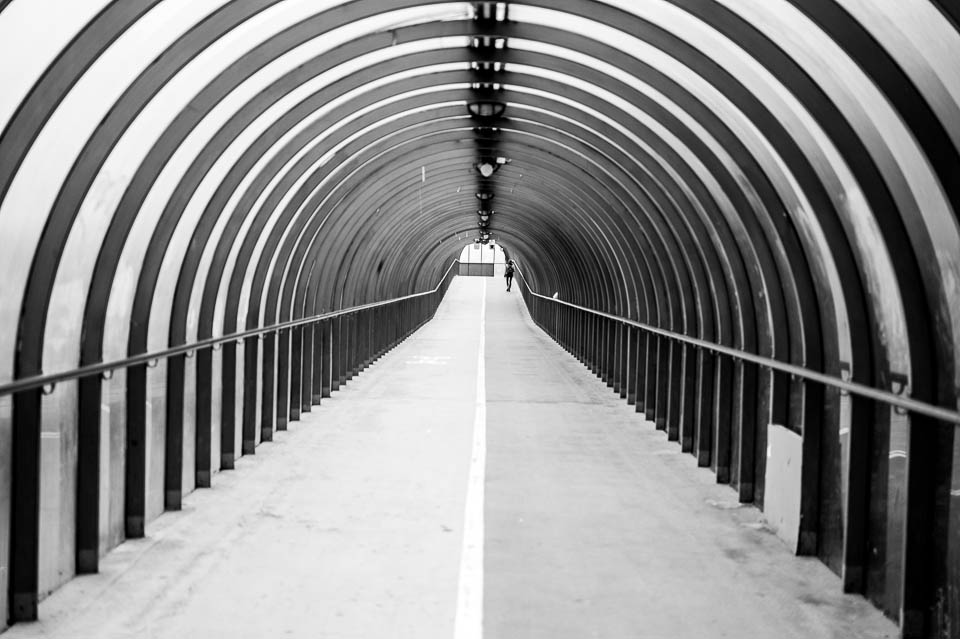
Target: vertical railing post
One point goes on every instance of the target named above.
(632, 364)
(675, 388)
(643, 371)
(173, 445)
(704, 426)
(383, 322)
(283, 378)
(25, 506)
(612, 347)
(365, 333)
(364, 340)
(657, 388)
(392, 326)
(349, 347)
(595, 344)
(251, 388)
(560, 337)
(337, 352)
(615, 356)
(723, 405)
(810, 498)
(688, 392)
(326, 364)
(316, 376)
(88, 471)
(606, 352)
(351, 355)
(623, 356)
(582, 340)
(662, 384)
(855, 538)
(294, 364)
(751, 397)
(135, 486)
(203, 436)
(595, 341)
(650, 382)
(227, 399)
(306, 368)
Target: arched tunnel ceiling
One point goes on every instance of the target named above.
(781, 176)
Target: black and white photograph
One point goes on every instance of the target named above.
(532, 319)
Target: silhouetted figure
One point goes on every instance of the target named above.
(508, 274)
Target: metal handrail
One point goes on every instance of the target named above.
(887, 397)
(51, 380)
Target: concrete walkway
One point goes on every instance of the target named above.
(597, 526)
(351, 524)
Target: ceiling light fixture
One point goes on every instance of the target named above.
(486, 109)
(486, 168)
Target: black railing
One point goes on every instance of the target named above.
(562, 327)
(412, 315)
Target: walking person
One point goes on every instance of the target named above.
(508, 274)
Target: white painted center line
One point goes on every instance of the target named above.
(429, 360)
(469, 620)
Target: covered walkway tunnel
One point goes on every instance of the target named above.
(741, 214)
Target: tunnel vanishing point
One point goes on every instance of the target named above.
(743, 215)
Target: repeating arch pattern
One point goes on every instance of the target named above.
(777, 176)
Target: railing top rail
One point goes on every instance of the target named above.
(906, 403)
(41, 381)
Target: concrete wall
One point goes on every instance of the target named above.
(782, 496)
(113, 450)
(216, 410)
(188, 476)
(58, 487)
(6, 427)
(238, 400)
(156, 439)
(113, 468)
